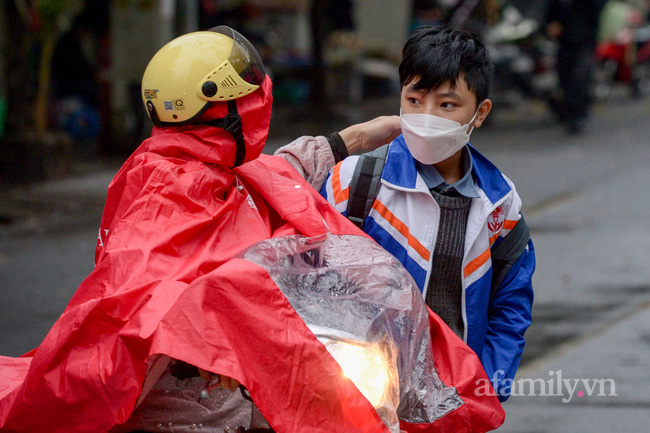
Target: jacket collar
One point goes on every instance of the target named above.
(401, 171)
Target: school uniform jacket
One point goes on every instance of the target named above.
(404, 219)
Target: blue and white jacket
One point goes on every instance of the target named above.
(404, 219)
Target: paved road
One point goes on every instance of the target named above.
(587, 204)
(585, 198)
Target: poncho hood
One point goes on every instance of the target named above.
(214, 145)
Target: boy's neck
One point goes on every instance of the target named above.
(451, 169)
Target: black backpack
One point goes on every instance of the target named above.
(364, 188)
(365, 184)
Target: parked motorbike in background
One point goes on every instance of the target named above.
(623, 51)
(524, 60)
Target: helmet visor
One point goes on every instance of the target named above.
(243, 57)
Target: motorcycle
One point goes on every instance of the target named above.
(624, 60)
(392, 365)
(323, 337)
(524, 60)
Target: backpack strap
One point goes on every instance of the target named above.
(507, 252)
(365, 184)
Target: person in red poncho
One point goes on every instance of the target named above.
(169, 304)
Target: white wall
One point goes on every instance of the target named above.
(383, 23)
(137, 33)
(139, 29)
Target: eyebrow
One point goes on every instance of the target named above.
(449, 94)
(412, 88)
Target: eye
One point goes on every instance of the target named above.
(413, 101)
(448, 105)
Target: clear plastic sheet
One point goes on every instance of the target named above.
(351, 292)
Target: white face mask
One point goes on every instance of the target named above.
(432, 139)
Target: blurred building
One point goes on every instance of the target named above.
(121, 36)
(280, 29)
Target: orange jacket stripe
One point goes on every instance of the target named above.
(477, 262)
(402, 228)
(339, 196)
(509, 224)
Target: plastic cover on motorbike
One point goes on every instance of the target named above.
(366, 305)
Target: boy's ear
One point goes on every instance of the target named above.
(483, 111)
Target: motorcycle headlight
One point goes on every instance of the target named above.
(370, 366)
(366, 366)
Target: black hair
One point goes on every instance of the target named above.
(439, 55)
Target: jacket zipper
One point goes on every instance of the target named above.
(462, 270)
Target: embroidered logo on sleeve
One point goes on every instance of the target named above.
(496, 220)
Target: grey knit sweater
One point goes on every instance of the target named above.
(444, 291)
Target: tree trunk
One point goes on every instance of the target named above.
(41, 113)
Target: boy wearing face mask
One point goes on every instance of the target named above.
(442, 208)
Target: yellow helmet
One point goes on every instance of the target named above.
(189, 73)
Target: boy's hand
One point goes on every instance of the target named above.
(371, 134)
(225, 382)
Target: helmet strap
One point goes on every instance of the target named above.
(232, 123)
(152, 114)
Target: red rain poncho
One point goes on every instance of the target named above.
(165, 282)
